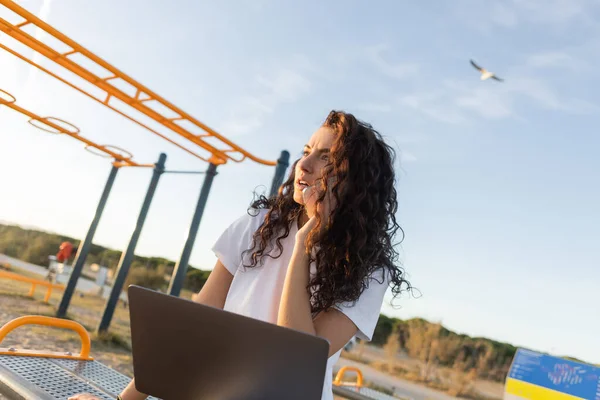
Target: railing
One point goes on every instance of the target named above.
(34, 282)
(348, 390)
(86, 343)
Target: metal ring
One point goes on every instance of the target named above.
(35, 122)
(95, 151)
(11, 100)
(54, 120)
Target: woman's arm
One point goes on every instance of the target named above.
(295, 308)
(213, 293)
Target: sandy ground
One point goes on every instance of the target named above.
(490, 389)
(14, 303)
(43, 338)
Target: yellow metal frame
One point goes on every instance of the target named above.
(54, 123)
(340, 375)
(34, 282)
(139, 101)
(86, 343)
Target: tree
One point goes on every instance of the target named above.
(484, 358)
(195, 279)
(383, 329)
(391, 348)
(146, 277)
(448, 349)
(428, 353)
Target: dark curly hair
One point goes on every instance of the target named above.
(358, 239)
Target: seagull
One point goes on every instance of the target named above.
(485, 74)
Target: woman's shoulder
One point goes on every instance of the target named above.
(256, 215)
(251, 219)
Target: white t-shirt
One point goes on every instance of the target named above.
(256, 292)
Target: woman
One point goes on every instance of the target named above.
(319, 257)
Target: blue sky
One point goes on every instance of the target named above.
(498, 182)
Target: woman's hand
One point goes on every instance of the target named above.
(324, 208)
(84, 396)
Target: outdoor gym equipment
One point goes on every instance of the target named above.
(134, 101)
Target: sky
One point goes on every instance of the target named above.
(498, 182)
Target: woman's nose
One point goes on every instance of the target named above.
(305, 165)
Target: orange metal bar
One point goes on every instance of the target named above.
(22, 24)
(338, 378)
(52, 123)
(34, 282)
(86, 342)
(23, 278)
(219, 155)
(33, 63)
(68, 53)
(48, 293)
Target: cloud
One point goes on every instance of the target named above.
(462, 101)
(510, 13)
(375, 107)
(281, 85)
(581, 107)
(398, 70)
(433, 105)
(411, 137)
(257, 5)
(552, 11)
(39, 35)
(503, 15)
(407, 157)
(248, 115)
(285, 86)
(484, 103)
(555, 59)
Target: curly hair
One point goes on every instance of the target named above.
(358, 238)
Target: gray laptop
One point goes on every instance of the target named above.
(187, 351)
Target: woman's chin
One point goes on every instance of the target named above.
(298, 197)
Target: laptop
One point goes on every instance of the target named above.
(183, 350)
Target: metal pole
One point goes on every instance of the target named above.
(181, 268)
(84, 247)
(128, 254)
(282, 164)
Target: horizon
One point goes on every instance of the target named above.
(495, 179)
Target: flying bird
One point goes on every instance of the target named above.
(485, 74)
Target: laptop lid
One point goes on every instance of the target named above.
(184, 350)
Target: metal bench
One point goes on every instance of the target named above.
(45, 375)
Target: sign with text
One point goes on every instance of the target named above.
(534, 376)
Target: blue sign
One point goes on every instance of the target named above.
(565, 376)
